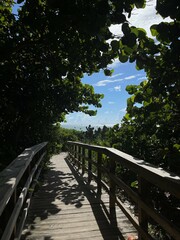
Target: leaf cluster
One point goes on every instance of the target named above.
(150, 129)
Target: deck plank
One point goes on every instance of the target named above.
(66, 208)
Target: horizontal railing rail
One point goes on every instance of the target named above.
(15, 183)
(149, 179)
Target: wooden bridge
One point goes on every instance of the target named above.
(82, 195)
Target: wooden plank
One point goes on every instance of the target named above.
(14, 215)
(161, 178)
(166, 180)
(10, 176)
(149, 173)
(67, 208)
(82, 235)
(28, 201)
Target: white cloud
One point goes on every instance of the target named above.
(116, 75)
(103, 83)
(146, 17)
(117, 88)
(123, 110)
(130, 77)
(115, 64)
(111, 102)
(142, 78)
(142, 18)
(108, 118)
(116, 30)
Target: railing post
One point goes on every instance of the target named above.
(69, 147)
(99, 162)
(112, 195)
(83, 160)
(75, 154)
(72, 150)
(79, 157)
(13, 204)
(143, 188)
(89, 165)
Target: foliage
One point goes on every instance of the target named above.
(45, 50)
(97, 136)
(150, 129)
(48, 46)
(59, 137)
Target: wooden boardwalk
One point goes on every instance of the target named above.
(65, 207)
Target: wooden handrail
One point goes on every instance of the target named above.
(148, 175)
(15, 181)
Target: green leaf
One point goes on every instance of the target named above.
(115, 45)
(143, 83)
(140, 3)
(139, 64)
(131, 89)
(177, 146)
(139, 97)
(134, 184)
(127, 116)
(19, 1)
(141, 33)
(125, 28)
(132, 58)
(123, 58)
(108, 72)
(132, 40)
(128, 50)
(130, 102)
(135, 31)
(133, 98)
(153, 29)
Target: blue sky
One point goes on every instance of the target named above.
(115, 96)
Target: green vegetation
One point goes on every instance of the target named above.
(150, 129)
(59, 137)
(45, 49)
(48, 46)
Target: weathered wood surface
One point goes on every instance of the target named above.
(15, 180)
(10, 176)
(166, 180)
(149, 178)
(66, 208)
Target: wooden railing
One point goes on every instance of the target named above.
(16, 184)
(104, 164)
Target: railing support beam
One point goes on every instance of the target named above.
(83, 161)
(99, 185)
(143, 218)
(112, 196)
(148, 176)
(89, 165)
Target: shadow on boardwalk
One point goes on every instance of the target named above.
(63, 206)
(98, 207)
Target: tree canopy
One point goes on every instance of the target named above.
(45, 50)
(48, 46)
